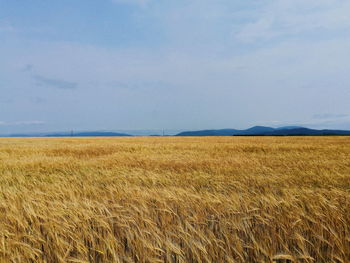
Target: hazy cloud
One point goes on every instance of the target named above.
(324, 120)
(132, 2)
(20, 123)
(38, 100)
(28, 68)
(330, 116)
(55, 83)
(6, 100)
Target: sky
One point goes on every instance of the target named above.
(183, 65)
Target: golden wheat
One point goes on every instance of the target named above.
(171, 199)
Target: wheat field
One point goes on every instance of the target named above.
(173, 199)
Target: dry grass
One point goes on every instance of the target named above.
(175, 199)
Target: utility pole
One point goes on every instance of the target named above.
(71, 133)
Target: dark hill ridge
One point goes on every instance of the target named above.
(257, 130)
(266, 131)
(306, 132)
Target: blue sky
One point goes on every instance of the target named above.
(186, 64)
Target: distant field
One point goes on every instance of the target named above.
(227, 199)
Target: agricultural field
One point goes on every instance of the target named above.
(174, 199)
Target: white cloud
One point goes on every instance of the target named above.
(283, 18)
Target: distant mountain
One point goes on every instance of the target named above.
(266, 131)
(305, 132)
(22, 135)
(227, 132)
(289, 127)
(224, 132)
(257, 130)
